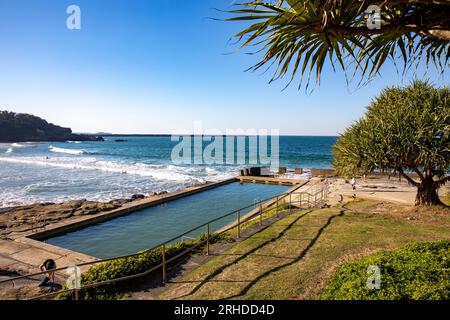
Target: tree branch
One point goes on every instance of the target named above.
(443, 181)
(410, 180)
(364, 31)
(419, 2)
(419, 174)
(441, 33)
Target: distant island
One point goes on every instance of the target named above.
(21, 127)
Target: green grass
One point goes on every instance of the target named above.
(296, 256)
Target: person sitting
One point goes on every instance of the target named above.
(48, 265)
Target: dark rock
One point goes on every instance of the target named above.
(162, 192)
(137, 196)
(21, 127)
(5, 210)
(119, 202)
(120, 140)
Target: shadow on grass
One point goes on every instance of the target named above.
(257, 255)
(297, 259)
(242, 257)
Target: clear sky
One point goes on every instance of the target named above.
(155, 66)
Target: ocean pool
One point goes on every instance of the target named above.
(149, 227)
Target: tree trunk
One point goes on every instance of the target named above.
(427, 192)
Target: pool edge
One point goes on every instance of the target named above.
(82, 222)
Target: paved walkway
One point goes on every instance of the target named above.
(378, 188)
(24, 257)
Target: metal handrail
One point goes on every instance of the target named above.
(322, 191)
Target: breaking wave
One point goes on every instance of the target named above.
(67, 151)
(159, 172)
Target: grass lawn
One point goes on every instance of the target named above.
(295, 257)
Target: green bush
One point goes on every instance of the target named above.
(418, 271)
(119, 268)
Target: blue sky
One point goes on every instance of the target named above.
(155, 66)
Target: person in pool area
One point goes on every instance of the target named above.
(48, 265)
(353, 183)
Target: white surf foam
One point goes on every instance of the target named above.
(18, 145)
(169, 173)
(9, 150)
(67, 151)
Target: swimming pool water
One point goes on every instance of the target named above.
(146, 228)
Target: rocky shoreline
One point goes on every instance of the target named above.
(26, 218)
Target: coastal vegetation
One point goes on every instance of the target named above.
(418, 271)
(406, 130)
(300, 36)
(21, 127)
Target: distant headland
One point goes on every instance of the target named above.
(21, 127)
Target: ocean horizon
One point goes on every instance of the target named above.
(39, 172)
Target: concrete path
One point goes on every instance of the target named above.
(23, 257)
(377, 188)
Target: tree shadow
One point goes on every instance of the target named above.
(297, 259)
(243, 256)
(257, 255)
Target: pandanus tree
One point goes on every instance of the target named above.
(406, 130)
(300, 36)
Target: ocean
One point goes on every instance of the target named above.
(102, 171)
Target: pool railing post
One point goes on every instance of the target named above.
(260, 213)
(276, 207)
(290, 202)
(239, 224)
(300, 200)
(164, 267)
(207, 240)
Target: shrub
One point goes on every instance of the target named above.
(418, 271)
(119, 268)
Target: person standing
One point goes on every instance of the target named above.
(353, 183)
